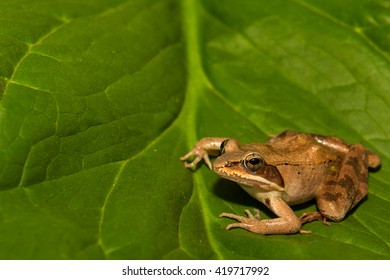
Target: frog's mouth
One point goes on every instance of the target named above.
(246, 179)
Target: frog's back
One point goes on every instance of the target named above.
(295, 150)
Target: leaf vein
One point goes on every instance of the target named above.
(29, 51)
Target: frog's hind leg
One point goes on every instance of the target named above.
(344, 190)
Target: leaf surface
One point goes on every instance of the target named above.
(101, 98)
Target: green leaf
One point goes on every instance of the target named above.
(100, 98)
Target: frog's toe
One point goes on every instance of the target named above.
(231, 216)
(197, 155)
(251, 216)
(191, 164)
(247, 223)
(243, 222)
(187, 156)
(239, 218)
(308, 217)
(240, 225)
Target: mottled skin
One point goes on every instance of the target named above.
(291, 168)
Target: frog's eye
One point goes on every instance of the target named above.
(223, 145)
(253, 161)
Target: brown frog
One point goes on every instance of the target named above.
(291, 168)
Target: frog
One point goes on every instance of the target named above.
(290, 168)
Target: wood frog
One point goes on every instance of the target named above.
(291, 168)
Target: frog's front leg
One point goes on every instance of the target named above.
(287, 222)
(202, 149)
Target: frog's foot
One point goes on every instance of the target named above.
(308, 217)
(199, 154)
(244, 222)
